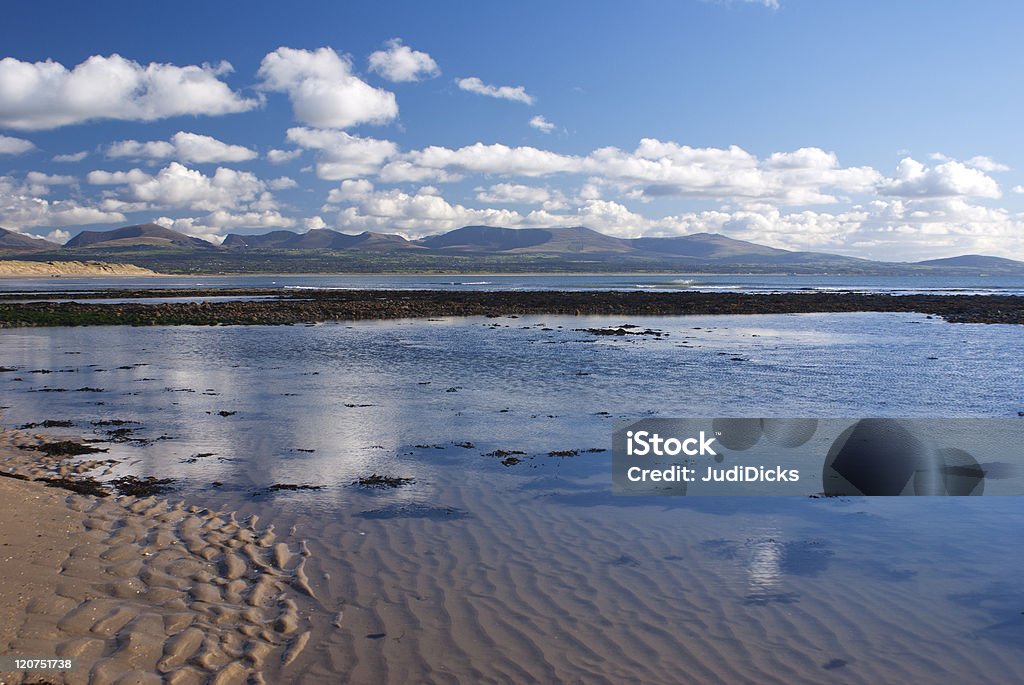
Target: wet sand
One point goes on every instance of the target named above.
(141, 590)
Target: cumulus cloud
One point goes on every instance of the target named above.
(19, 208)
(417, 214)
(654, 169)
(184, 147)
(981, 162)
(282, 183)
(38, 183)
(541, 124)
(281, 156)
(71, 157)
(514, 93)
(323, 90)
(493, 159)
(14, 146)
(513, 193)
(213, 226)
(178, 187)
(58, 235)
(45, 95)
(401, 63)
(39, 178)
(349, 190)
(342, 155)
(949, 179)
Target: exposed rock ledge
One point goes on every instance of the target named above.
(14, 267)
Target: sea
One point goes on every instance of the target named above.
(753, 283)
(505, 557)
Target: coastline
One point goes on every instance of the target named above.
(139, 587)
(315, 306)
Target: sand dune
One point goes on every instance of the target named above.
(15, 267)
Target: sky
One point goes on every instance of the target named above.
(887, 130)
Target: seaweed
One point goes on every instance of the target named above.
(82, 486)
(142, 487)
(377, 481)
(65, 448)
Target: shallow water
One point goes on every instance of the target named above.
(534, 571)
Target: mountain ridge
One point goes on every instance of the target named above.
(568, 248)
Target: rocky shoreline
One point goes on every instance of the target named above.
(313, 306)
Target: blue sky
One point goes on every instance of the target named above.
(878, 129)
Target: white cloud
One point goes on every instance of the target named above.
(417, 214)
(1018, 189)
(19, 209)
(770, 4)
(949, 179)
(281, 156)
(133, 149)
(349, 190)
(71, 157)
(213, 226)
(401, 63)
(514, 93)
(342, 155)
(14, 146)
(986, 164)
(44, 95)
(58, 236)
(492, 159)
(184, 147)
(193, 147)
(513, 193)
(323, 90)
(39, 178)
(981, 162)
(178, 187)
(282, 183)
(110, 178)
(313, 222)
(654, 169)
(541, 124)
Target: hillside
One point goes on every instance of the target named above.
(12, 241)
(152, 235)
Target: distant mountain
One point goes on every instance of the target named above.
(572, 248)
(318, 239)
(977, 261)
(10, 241)
(485, 239)
(705, 246)
(152, 235)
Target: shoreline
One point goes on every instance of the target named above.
(139, 586)
(316, 306)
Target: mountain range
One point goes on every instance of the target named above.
(571, 248)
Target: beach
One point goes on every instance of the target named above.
(139, 589)
(450, 480)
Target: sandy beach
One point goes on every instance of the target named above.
(140, 590)
(470, 569)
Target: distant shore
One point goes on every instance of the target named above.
(15, 268)
(281, 306)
